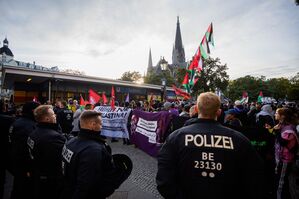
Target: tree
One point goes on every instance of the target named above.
(131, 76)
(153, 78)
(278, 87)
(212, 76)
(293, 91)
(252, 85)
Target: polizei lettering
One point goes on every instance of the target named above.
(210, 141)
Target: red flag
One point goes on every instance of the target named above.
(82, 101)
(186, 79)
(34, 99)
(93, 97)
(181, 92)
(112, 103)
(151, 101)
(105, 101)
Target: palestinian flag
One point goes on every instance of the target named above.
(245, 98)
(206, 40)
(209, 35)
(181, 92)
(196, 63)
(204, 48)
(185, 83)
(260, 97)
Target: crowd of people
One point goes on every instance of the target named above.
(211, 150)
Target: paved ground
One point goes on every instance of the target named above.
(140, 184)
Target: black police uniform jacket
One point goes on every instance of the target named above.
(208, 160)
(45, 145)
(19, 132)
(88, 167)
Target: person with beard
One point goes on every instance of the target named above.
(45, 145)
(19, 156)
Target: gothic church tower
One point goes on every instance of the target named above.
(178, 52)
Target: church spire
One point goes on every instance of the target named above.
(150, 62)
(178, 53)
(178, 38)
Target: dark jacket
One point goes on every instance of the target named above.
(65, 119)
(208, 160)
(20, 130)
(5, 122)
(88, 167)
(45, 145)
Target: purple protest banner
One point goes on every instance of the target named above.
(148, 130)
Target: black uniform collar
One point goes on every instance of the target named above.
(53, 126)
(90, 134)
(202, 120)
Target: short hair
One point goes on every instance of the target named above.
(208, 104)
(41, 112)
(88, 107)
(89, 115)
(64, 103)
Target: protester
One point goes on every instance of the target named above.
(65, 118)
(193, 113)
(185, 111)
(231, 120)
(285, 151)
(76, 118)
(241, 112)
(45, 145)
(89, 168)
(20, 159)
(265, 116)
(208, 160)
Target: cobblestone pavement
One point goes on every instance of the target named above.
(141, 183)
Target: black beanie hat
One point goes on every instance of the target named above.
(28, 108)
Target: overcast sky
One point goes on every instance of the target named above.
(106, 38)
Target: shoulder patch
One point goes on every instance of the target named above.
(30, 143)
(67, 154)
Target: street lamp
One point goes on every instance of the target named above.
(163, 65)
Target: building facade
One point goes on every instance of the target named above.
(23, 81)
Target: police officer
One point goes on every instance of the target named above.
(20, 160)
(208, 160)
(89, 168)
(5, 122)
(45, 145)
(65, 118)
